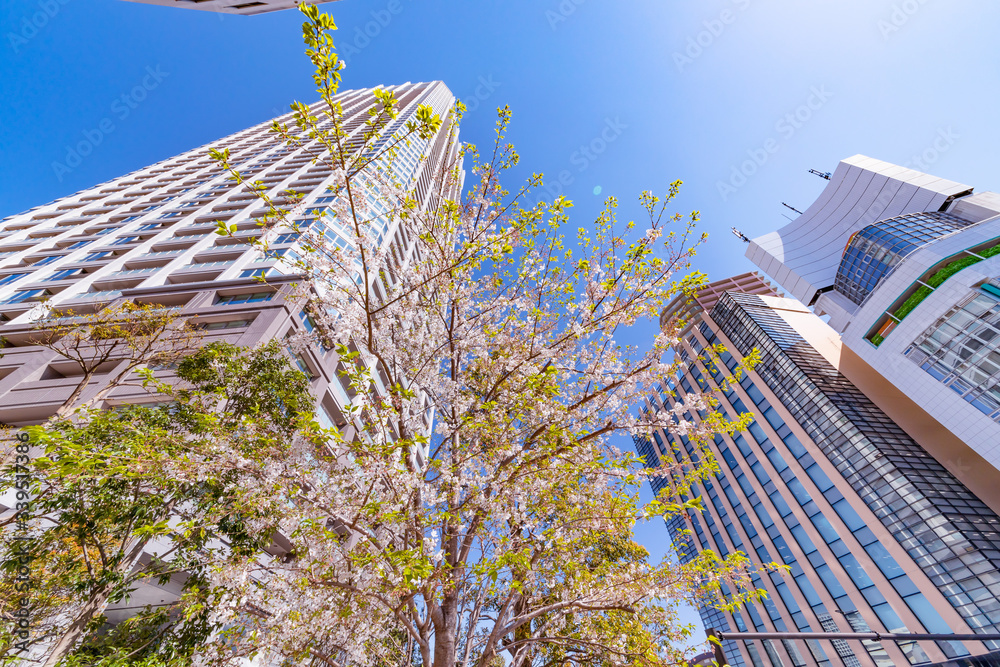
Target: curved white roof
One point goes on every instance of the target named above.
(803, 256)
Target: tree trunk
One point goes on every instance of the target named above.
(445, 633)
(74, 632)
(92, 607)
(70, 402)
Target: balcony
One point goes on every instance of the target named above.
(198, 272)
(161, 253)
(216, 264)
(122, 280)
(134, 272)
(27, 296)
(104, 295)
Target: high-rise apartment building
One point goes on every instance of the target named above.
(907, 267)
(150, 238)
(877, 535)
(232, 6)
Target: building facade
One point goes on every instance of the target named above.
(232, 6)
(906, 266)
(150, 238)
(875, 534)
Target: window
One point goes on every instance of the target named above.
(79, 244)
(254, 297)
(48, 260)
(874, 252)
(94, 256)
(962, 350)
(28, 295)
(260, 274)
(307, 321)
(286, 238)
(253, 273)
(11, 278)
(125, 239)
(64, 274)
(300, 363)
(281, 252)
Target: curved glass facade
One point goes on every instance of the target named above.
(875, 250)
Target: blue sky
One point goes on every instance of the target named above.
(737, 98)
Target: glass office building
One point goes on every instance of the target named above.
(902, 263)
(876, 535)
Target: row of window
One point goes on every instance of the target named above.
(962, 350)
(847, 517)
(243, 146)
(821, 524)
(24, 296)
(876, 458)
(135, 213)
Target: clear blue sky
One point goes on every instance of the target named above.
(684, 90)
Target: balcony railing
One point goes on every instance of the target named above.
(107, 295)
(161, 253)
(202, 265)
(132, 272)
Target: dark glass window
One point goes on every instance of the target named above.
(245, 298)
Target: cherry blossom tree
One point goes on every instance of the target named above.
(104, 512)
(119, 339)
(503, 534)
(472, 508)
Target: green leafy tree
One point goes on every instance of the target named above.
(116, 341)
(111, 509)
